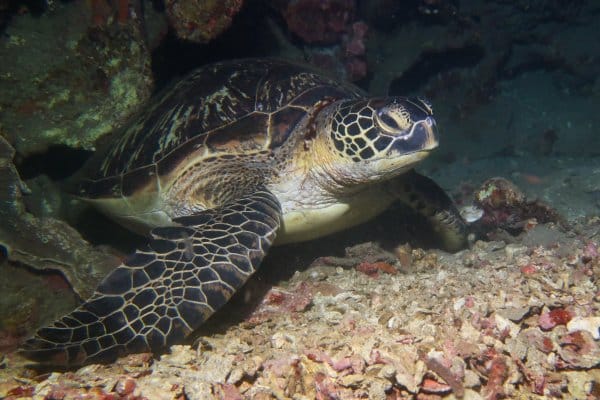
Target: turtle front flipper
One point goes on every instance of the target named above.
(165, 291)
(428, 199)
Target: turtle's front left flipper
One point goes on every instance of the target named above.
(424, 196)
(162, 293)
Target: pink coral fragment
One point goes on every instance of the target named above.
(558, 316)
(432, 386)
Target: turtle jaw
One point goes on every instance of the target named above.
(392, 165)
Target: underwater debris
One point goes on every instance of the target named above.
(588, 324)
(373, 269)
(457, 324)
(442, 366)
(369, 252)
(505, 207)
(558, 316)
(578, 350)
(295, 300)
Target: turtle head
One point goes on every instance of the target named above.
(377, 138)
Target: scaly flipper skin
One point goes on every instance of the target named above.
(162, 293)
(428, 199)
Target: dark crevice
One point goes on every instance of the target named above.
(58, 162)
(532, 65)
(99, 229)
(431, 63)
(538, 62)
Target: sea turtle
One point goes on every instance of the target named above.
(237, 156)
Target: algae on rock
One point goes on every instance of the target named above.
(67, 82)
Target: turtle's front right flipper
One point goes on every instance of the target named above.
(425, 197)
(162, 293)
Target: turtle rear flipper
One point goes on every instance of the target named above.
(165, 291)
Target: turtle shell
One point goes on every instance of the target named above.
(233, 107)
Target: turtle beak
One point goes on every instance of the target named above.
(421, 137)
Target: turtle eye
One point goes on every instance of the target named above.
(393, 120)
(388, 121)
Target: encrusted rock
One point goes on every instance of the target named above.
(45, 243)
(588, 324)
(201, 20)
(76, 95)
